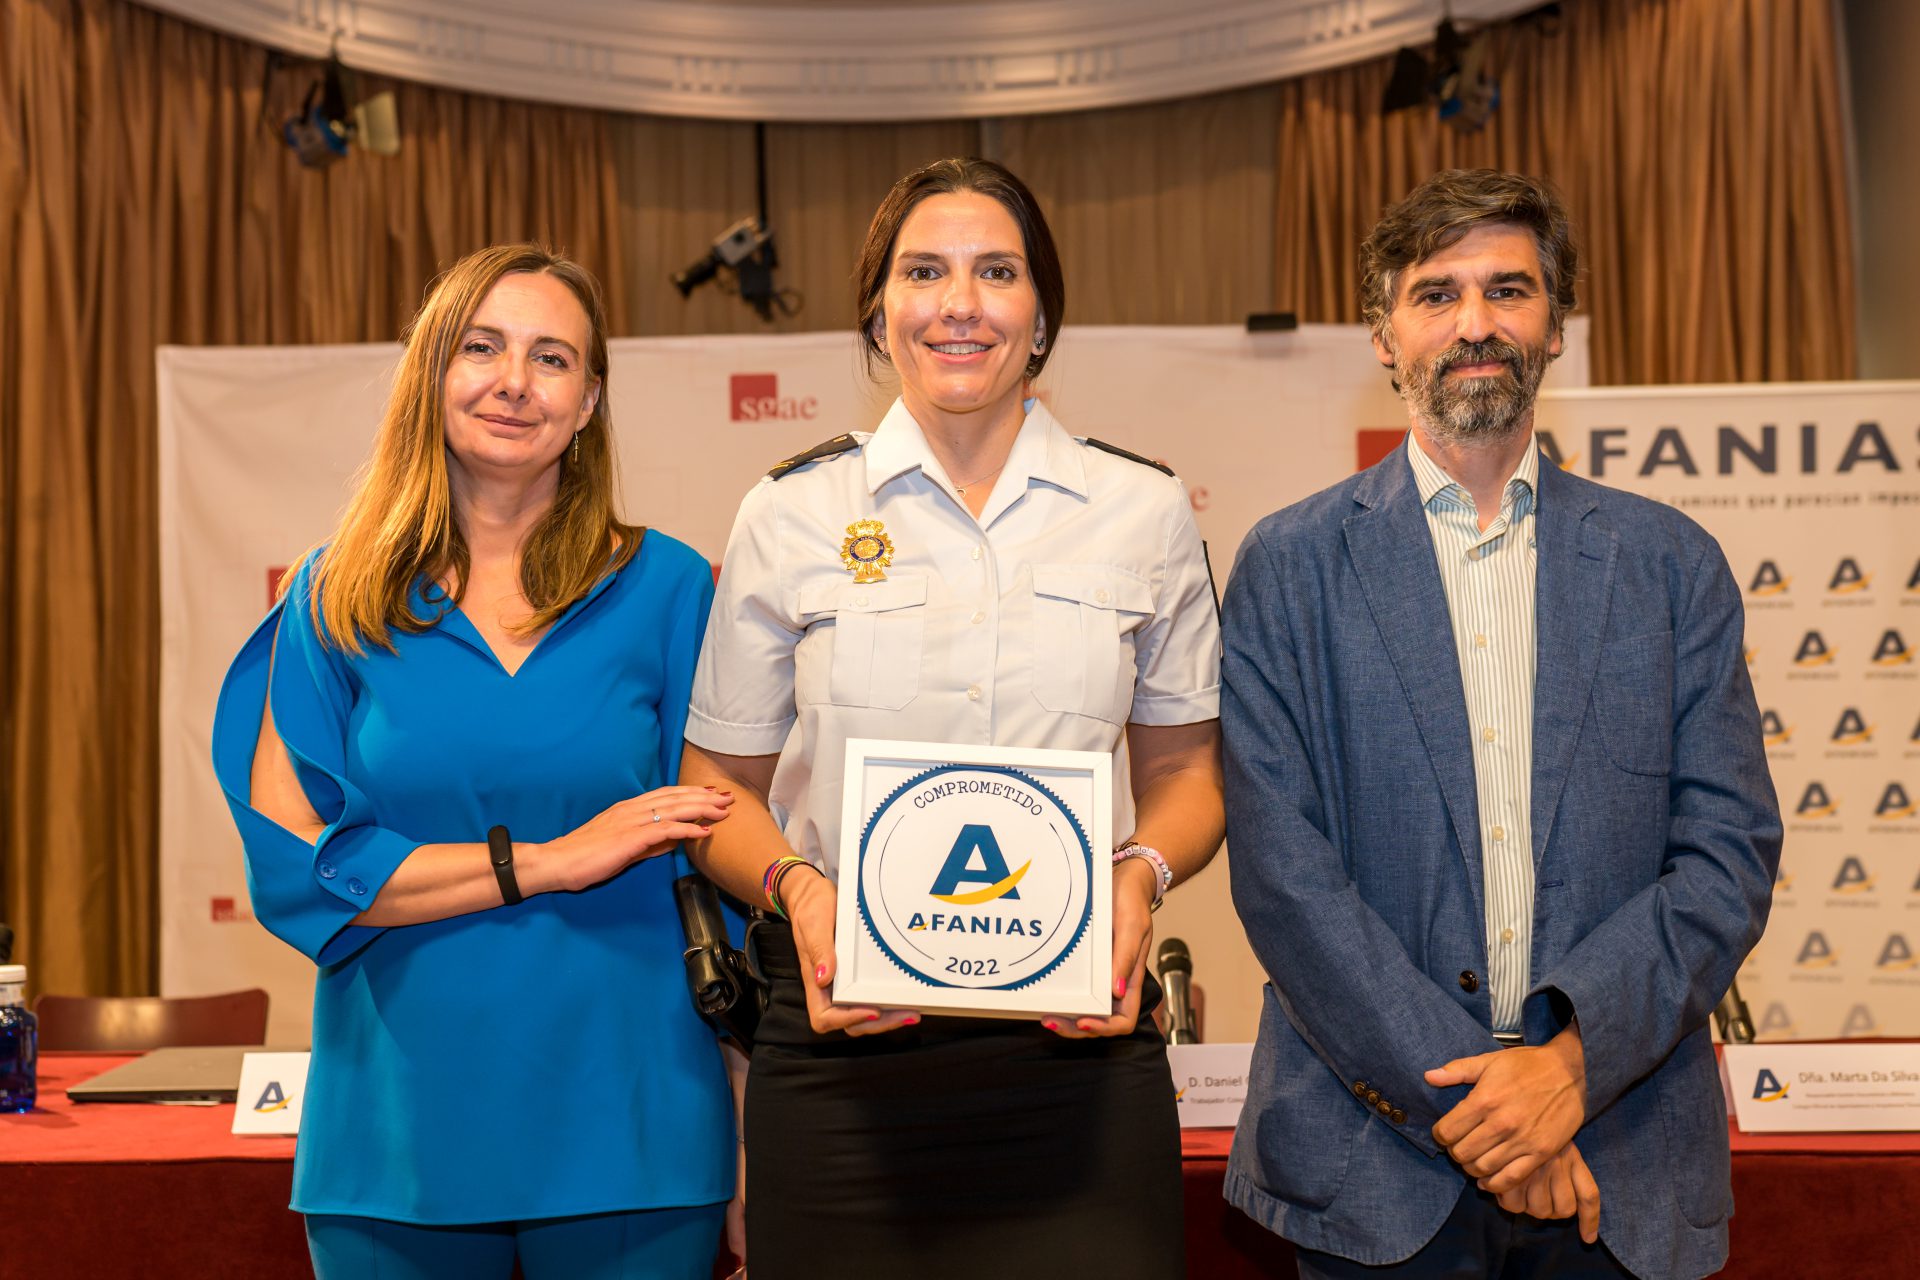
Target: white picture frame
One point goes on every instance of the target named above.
(975, 880)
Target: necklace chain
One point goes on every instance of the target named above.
(961, 489)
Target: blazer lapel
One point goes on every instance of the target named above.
(1392, 554)
(1576, 558)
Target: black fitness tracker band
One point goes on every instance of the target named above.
(500, 847)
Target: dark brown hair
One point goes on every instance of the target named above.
(951, 177)
(1441, 210)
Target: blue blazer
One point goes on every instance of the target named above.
(1356, 865)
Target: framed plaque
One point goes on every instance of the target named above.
(976, 880)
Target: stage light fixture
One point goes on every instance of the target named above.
(743, 255)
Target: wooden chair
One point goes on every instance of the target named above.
(128, 1024)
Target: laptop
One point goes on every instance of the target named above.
(198, 1074)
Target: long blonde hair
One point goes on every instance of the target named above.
(399, 525)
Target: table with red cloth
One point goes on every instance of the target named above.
(92, 1190)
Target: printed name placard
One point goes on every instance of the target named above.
(1824, 1088)
(1209, 1083)
(272, 1088)
(976, 880)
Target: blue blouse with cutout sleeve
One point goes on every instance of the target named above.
(535, 1061)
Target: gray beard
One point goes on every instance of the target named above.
(1478, 411)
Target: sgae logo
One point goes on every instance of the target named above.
(1896, 954)
(1815, 953)
(272, 1098)
(1813, 651)
(1768, 580)
(1773, 731)
(956, 901)
(1767, 1087)
(1913, 579)
(755, 397)
(1852, 877)
(1851, 730)
(1894, 803)
(1816, 803)
(1892, 651)
(1847, 578)
(1782, 880)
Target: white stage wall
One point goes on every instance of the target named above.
(258, 445)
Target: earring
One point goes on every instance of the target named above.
(576, 447)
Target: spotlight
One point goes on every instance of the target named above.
(745, 251)
(730, 248)
(333, 117)
(1453, 82)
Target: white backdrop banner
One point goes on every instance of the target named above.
(1813, 490)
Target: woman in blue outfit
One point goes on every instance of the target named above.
(451, 752)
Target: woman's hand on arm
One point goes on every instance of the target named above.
(438, 881)
(1178, 811)
(735, 857)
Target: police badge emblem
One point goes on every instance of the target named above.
(867, 550)
(969, 882)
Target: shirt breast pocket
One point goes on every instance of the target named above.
(1084, 617)
(874, 633)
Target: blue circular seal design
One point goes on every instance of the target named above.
(1060, 936)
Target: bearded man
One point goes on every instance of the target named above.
(1498, 807)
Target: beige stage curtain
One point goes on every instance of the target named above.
(1161, 212)
(684, 181)
(1700, 144)
(144, 200)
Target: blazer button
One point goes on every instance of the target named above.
(1359, 1088)
(1373, 1097)
(1398, 1116)
(1384, 1107)
(1469, 981)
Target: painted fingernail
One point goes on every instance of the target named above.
(819, 973)
(1051, 1025)
(873, 1017)
(727, 794)
(1120, 987)
(910, 1021)
(709, 788)
(705, 831)
(1084, 1026)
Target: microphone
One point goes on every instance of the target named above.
(1176, 977)
(1735, 1022)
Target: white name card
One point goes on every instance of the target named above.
(272, 1088)
(1209, 1083)
(1824, 1088)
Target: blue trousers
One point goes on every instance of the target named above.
(653, 1244)
(1481, 1241)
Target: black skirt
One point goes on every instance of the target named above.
(961, 1147)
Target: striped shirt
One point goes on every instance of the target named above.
(1489, 580)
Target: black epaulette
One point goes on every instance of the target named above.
(825, 449)
(1129, 455)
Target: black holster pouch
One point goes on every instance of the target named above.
(727, 988)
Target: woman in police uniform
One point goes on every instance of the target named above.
(1039, 591)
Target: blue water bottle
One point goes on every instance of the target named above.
(19, 1041)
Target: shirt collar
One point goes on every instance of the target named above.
(1042, 451)
(1431, 481)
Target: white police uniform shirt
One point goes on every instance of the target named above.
(1078, 601)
